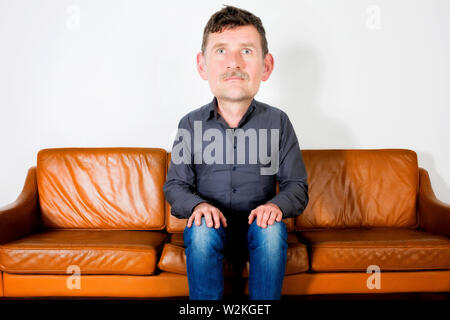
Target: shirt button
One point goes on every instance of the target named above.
(234, 146)
(234, 190)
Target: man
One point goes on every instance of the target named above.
(226, 187)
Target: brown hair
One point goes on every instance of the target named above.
(231, 17)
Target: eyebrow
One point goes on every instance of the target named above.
(242, 44)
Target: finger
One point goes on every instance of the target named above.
(259, 215)
(265, 218)
(279, 216)
(191, 218)
(198, 218)
(216, 218)
(251, 217)
(223, 219)
(208, 219)
(273, 216)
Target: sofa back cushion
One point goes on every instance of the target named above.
(102, 188)
(360, 188)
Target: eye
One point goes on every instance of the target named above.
(221, 51)
(246, 51)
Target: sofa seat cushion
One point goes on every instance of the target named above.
(173, 258)
(92, 251)
(388, 248)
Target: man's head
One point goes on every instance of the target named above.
(232, 17)
(234, 57)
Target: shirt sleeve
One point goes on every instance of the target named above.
(292, 177)
(180, 186)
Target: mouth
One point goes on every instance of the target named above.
(233, 78)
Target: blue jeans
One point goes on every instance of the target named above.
(266, 249)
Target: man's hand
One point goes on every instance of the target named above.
(266, 214)
(211, 213)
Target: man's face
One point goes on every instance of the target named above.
(233, 63)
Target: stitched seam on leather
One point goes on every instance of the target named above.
(388, 269)
(378, 247)
(82, 249)
(154, 262)
(64, 273)
(106, 229)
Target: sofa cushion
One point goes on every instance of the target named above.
(102, 188)
(360, 188)
(173, 258)
(92, 251)
(388, 248)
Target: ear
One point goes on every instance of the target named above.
(201, 66)
(268, 67)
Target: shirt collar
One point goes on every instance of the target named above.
(211, 110)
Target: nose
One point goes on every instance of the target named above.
(235, 61)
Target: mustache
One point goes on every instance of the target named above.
(234, 73)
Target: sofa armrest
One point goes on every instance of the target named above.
(21, 217)
(433, 214)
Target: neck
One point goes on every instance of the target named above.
(232, 111)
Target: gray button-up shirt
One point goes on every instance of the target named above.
(236, 169)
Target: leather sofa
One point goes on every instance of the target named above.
(94, 222)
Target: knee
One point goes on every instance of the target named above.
(273, 236)
(202, 238)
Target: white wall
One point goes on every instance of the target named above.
(350, 74)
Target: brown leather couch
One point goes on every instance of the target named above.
(94, 222)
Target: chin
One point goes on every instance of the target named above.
(237, 96)
(235, 99)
